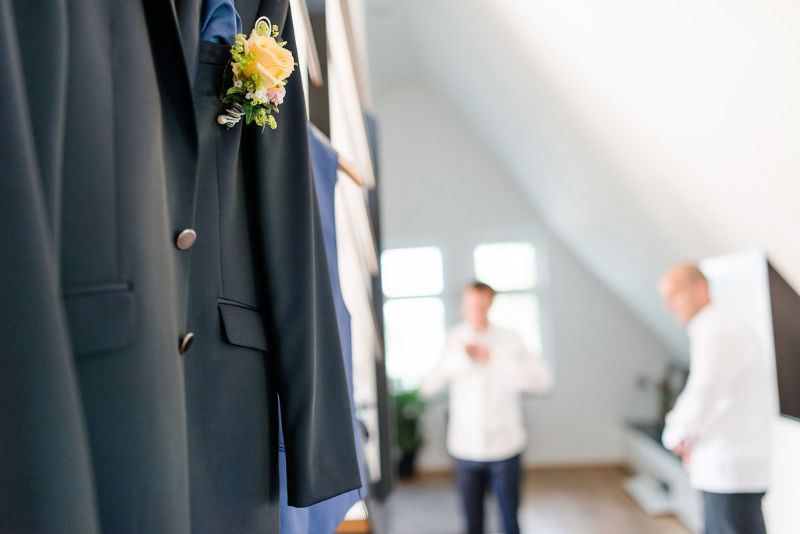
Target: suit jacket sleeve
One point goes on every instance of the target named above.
(45, 476)
(304, 341)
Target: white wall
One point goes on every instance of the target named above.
(781, 503)
(440, 187)
(642, 132)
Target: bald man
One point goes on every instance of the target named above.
(720, 423)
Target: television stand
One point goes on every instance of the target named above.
(660, 485)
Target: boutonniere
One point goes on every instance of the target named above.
(255, 82)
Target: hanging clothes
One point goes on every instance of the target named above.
(230, 401)
(320, 451)
(324, 517)
(119, 327)
(356, 284)
(99, 158)
(262, 314)
(325, 179)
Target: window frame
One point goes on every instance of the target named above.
(541, 288)
(439, 296)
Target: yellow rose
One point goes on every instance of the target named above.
(272, 62)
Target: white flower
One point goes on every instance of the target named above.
(238, 83)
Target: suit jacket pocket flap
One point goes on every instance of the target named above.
(100, 319)
(243, 326)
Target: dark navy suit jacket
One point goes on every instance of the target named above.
(106, 425)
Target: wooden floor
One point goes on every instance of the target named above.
(555, 501)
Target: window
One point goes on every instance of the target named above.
(414, 307)
(414, 314)
(412, 272)
(506, 266)
(510, 268)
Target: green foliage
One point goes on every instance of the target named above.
(408, 405)
(238, 55)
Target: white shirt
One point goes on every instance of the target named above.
(486, 415)
(724, 410)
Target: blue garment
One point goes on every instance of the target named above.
(325, 164)
(503, 476)
(324, 517)
(220, 22)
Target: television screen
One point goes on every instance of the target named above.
(785, 304)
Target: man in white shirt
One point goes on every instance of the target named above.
(720, 424)
(487, 369)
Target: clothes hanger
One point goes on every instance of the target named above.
(345, 165)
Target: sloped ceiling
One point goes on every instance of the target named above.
(642, 132)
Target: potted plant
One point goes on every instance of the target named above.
(408, 405)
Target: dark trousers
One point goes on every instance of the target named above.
(503, 477)
(733, 513)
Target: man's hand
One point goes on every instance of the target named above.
(478, 353)
(684, 450)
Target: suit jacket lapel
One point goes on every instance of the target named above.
(173, 69)
(250, 10)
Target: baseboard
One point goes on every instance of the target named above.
(440, 472)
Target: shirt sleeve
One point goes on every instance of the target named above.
(524, 370)
(715, 366)
(453, 362)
